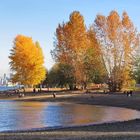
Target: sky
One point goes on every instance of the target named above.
(39, 19)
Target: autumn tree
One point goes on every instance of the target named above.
(26, 61)
(119, 40)
(71, 45)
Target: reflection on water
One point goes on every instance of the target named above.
(27, 115)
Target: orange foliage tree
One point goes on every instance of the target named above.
(78, 47)
(119, 41)
(26, 61)
(71, 45)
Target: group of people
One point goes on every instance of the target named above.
(128, 93)
(21, 95)
(34, 90)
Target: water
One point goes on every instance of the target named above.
(27, 115)
(10, 88)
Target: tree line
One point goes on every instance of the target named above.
(105, 52)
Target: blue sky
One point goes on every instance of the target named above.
(39, 19)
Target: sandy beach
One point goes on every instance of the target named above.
(129, 130)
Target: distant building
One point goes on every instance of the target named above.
(4, 81)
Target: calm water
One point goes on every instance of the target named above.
(27, 115)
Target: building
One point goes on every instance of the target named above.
(4, 80)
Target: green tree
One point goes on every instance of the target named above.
(93, 62)
(61, 75)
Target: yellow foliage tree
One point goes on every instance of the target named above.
(26, 61)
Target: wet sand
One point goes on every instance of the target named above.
(129, 130)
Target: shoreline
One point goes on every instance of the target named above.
(113, 100)
(105, 129)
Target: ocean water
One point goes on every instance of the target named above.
(30, 115)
